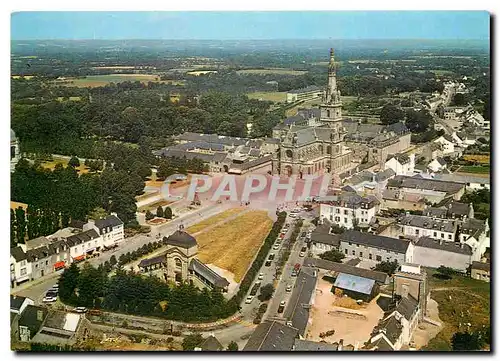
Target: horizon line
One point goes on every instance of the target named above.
(274, 39)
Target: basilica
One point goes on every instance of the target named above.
(318, 141)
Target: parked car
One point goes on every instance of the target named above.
(271, 256)
(292, 215)
(289, 288)
(81, 309)
(56, 286)
(294, 273)
(302, 254)
(255, 289)
(276, 247)
(261, 276)
(53, 290)
(281, 307)
(49, 299)
(268, 263)
(249, 300)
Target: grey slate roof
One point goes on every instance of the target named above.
(272, 336)
(18, 254)
(472, 225)
(407, 307)
(423, 183)
(391, 327)
(398, 128)
(181, 239)
(150, 261)
(428, 223)
(384, 175)
(380, 345)
(349, 199)
(371, 240)
(459, 178)
(478, 265)
(459, 209)
(207, 273)
(380, 277)
(109, 221)
(81, 237)
(297, 309)
(211, 344)
(400, 157)
(454, 247)
(16, 302)
(306, 345)
(33, 317)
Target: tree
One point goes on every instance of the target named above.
(445, 272)
(191, 341)
(13, 237)
(74, 162)
(168, 213)
(98, 213)
(418, 121)
(149, 215)
(388, 267)
(20, 225)
(112, 260)
(233, 346)
(164, 170)
(459, 99)
(68, 282)
(266, 292)
(391, 114)
(159, 211)
(465, 341)
(333, 255)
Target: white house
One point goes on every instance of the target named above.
(83, 244)
(401, 164)
(462, 140)
(414, 226)
(110, 229)
(471, 182)
(447, 142)
(475, 233)
(477, 119)
(347, 209)
(437, 164)
(20, 267)
(19, 303)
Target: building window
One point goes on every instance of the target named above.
(337, 210)
(370, 256)
(379, 258)
(23, 263)
(449, 236)
(353, 252)
(346, 251)
(417, 231)
(350, 243)
(345, 212)
(337, 219)
(47, 263)
(345, 220)
(361, 254)
(435, 234)
(23, 271)
(442, 235)
(482, 185)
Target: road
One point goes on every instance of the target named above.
(36, 289)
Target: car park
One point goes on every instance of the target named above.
(249, 300)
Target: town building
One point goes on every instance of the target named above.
(322, 240)
(451, 210)
(437, 165)
(411, 280)
(110, 229)
(60, 328)
(303, 94)
(30, 322)
(179, 263)
(432, 190)
(355, 287)
(476, 234)
(414, 226)
(375, 247)
(434, 253)
(348, 209)
(272, 336)
(19, 303)
(401, 163)
(480, 271)
(472, 183)
(447, 142)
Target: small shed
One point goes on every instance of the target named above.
(356, 287)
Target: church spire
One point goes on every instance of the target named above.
(332, 93)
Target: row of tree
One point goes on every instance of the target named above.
(34, 222)
(160, 212)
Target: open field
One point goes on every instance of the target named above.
(103, 80)
(435, 71)
(474, 169)
(268, 96)
(82, 169)
(213, 220)
(27, 77)
(480, 158)
(278, 71)
(461, 300)
(200, 72)
(72, 99)
(233, 245)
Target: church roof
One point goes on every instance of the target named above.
(181, 239)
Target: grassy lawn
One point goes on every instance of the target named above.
(82, 169)
(474, 169)
(465, 301)
(102, 80)
(213, 220)
(279, 71)
(233, 245)
(269, 96)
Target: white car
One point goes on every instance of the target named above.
(289, 288)
(49, 299)
(276, 247)
(80, 309)
(261, 276)
(302, 254)
(249, 299)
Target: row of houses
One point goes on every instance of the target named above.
(41, 256)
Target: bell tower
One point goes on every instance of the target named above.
(331, 108)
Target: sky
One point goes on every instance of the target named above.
(251, 25)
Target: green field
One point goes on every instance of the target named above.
(268, 96)
(278, 71)
(461, 300)
(474, 169)
(435, 71)
(102, 80)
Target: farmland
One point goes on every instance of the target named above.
(268, 96)
(103, 80)
(233, 245)
(277, 71)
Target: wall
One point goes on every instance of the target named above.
(366, 251)
(430, 257)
